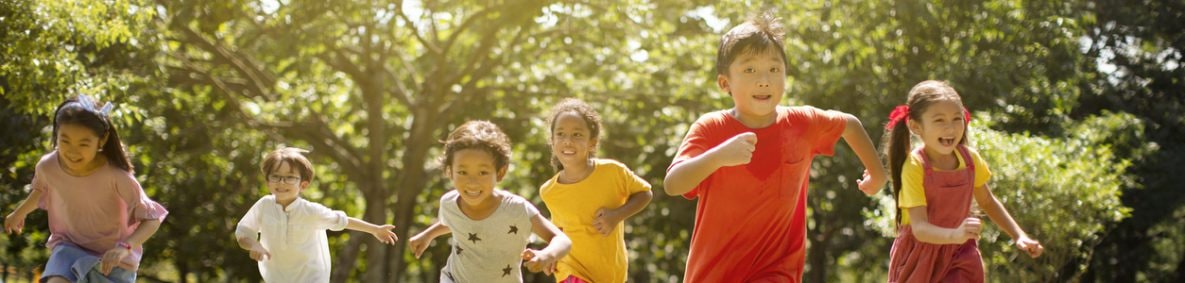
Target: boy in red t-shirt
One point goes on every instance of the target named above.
(749, 165)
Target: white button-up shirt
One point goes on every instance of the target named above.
(295, 238)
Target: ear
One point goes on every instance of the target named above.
(592, 146)
(304, 184)
(914, 127)
(722, 82)
(502, 172)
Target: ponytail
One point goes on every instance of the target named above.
(898, 147)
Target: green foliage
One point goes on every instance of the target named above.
(204, 88)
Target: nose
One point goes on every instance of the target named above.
(763, 80)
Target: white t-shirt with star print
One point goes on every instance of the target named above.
(487, 250)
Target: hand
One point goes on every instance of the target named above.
(14, 222)
(537, 261)
(869, 184)
(111, 259)
(258, 253)
(737, 150)
(419, 243)
(384, 234)
(1030, 246)
(969, 229)
(605, 221)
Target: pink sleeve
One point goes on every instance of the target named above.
(694, 144)
(142, 208)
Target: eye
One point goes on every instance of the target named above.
(775, 70)
(750, 70)
(578, 135)
(484, 173)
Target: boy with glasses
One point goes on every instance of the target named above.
(286, 233)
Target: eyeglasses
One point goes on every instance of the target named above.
(291, 180)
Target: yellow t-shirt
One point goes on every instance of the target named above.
(913, 194)
(573, 207)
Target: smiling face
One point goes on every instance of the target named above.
(941, 127)
(78, 146)
(474, 175)
(571, 139)
(756, 82)
(285, 183)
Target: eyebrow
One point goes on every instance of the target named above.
(64, 136)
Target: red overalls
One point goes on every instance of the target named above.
(948, 203)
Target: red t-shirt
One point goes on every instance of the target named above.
(750, 221)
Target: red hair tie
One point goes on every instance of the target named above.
(899, 113)
(966, 117)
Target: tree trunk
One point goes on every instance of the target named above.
(412, 183)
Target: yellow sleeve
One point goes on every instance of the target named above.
(632, 182)
(982, 173)
(913, 194)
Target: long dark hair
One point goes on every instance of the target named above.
(921, 96)
(84, 111)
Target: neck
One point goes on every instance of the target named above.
(755, 121)
(284, 203)
(573, 173)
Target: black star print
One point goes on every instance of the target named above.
(474, 238)
(459, 250)
(506, 271)
(513, 230)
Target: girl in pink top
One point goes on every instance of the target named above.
(99, 217)
(934, 186)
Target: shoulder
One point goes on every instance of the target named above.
(47, 161)
(610, 164)
(519, 203)
(449, 197)
(712, 119)
(807, 112)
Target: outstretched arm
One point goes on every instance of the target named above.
(15, 221)
(995, 210)
(419, 242)
(382, 233)
(857, 138)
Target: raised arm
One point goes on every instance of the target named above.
(685, 176)
(875, 173)
(996, 211)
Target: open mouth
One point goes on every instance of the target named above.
(947, 141)
(471, 193)
(763, 97)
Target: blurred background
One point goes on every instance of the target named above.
(1077, 107)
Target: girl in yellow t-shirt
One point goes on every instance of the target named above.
(589, 197)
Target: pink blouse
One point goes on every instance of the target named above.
(96, 211)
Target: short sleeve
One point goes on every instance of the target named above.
(441, 215)
(694, 144)
(913, 193)
(249, 225)
(982, 173)
(326, 218)
(826, 127)
(142, 208)
(631, 183)
(39, 184)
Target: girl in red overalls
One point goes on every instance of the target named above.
(934, 185)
